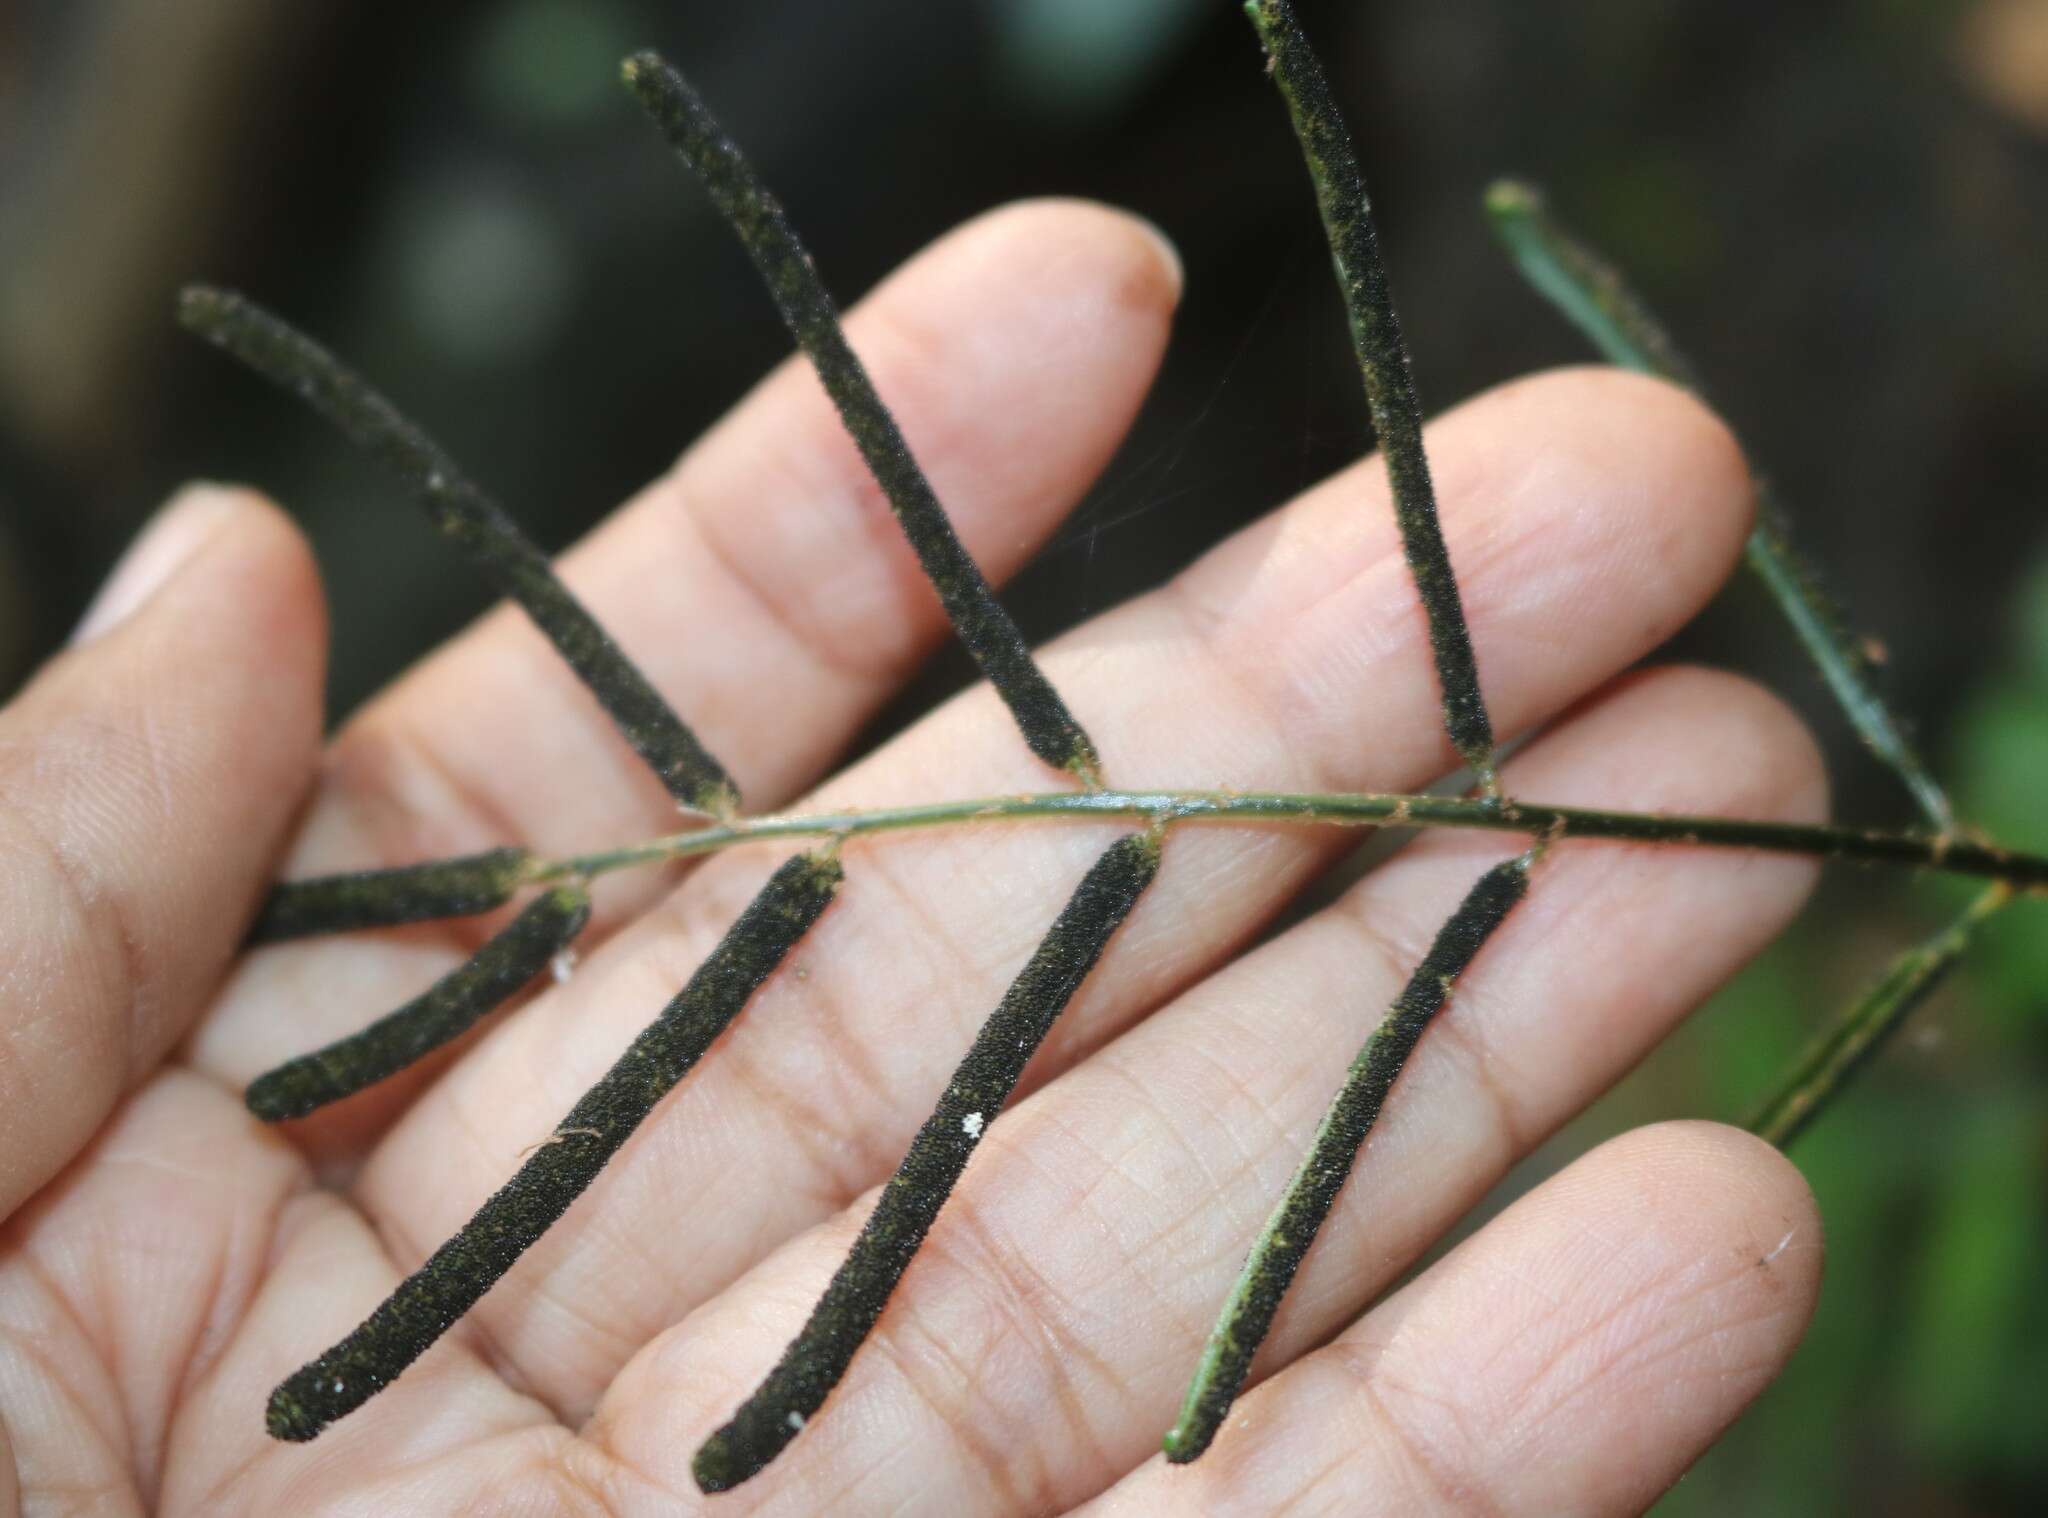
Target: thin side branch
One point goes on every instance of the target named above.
(474, 522)
(820, 1354)
(430, 1301)
(1592, 294)
(1383, 358)
(1284, 1242)
(1869, 1023)
(763, 228)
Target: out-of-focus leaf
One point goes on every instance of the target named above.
(2033, 629)
(2000, 739)
(1965, 1383)
(550, 62)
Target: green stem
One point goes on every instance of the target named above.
(1591, 293)
(1869, 1023)
(1954, 856)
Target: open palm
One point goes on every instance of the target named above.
(169, 1259)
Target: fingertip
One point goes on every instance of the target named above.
(275, 569)
(1088, 244)
(176, 531)
(1669, 1276)
(1697, 1153)
(1702, 452)
(203, 517)
(1680, 408)
(248, 606)
(1682, 466)
(217, 603)
(1736, 1228)
(1663, 463)
(209, 681)
(1613, 487)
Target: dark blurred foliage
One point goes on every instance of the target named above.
(1841, 207)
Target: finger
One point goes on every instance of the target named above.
(146, 780)
(1039, 1347)
(762, 584)
(1581, 551)
(1575, 1356)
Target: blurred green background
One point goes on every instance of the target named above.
(1842, 208)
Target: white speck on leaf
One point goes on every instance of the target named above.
(562, 966)
(971, 1125)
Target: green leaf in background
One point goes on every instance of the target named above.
(1968, 1389)
(550, 62)
(1997, 768)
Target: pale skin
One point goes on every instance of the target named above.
(168, 1259)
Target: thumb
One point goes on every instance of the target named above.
(147, 776)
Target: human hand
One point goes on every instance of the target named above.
(169, 1259)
